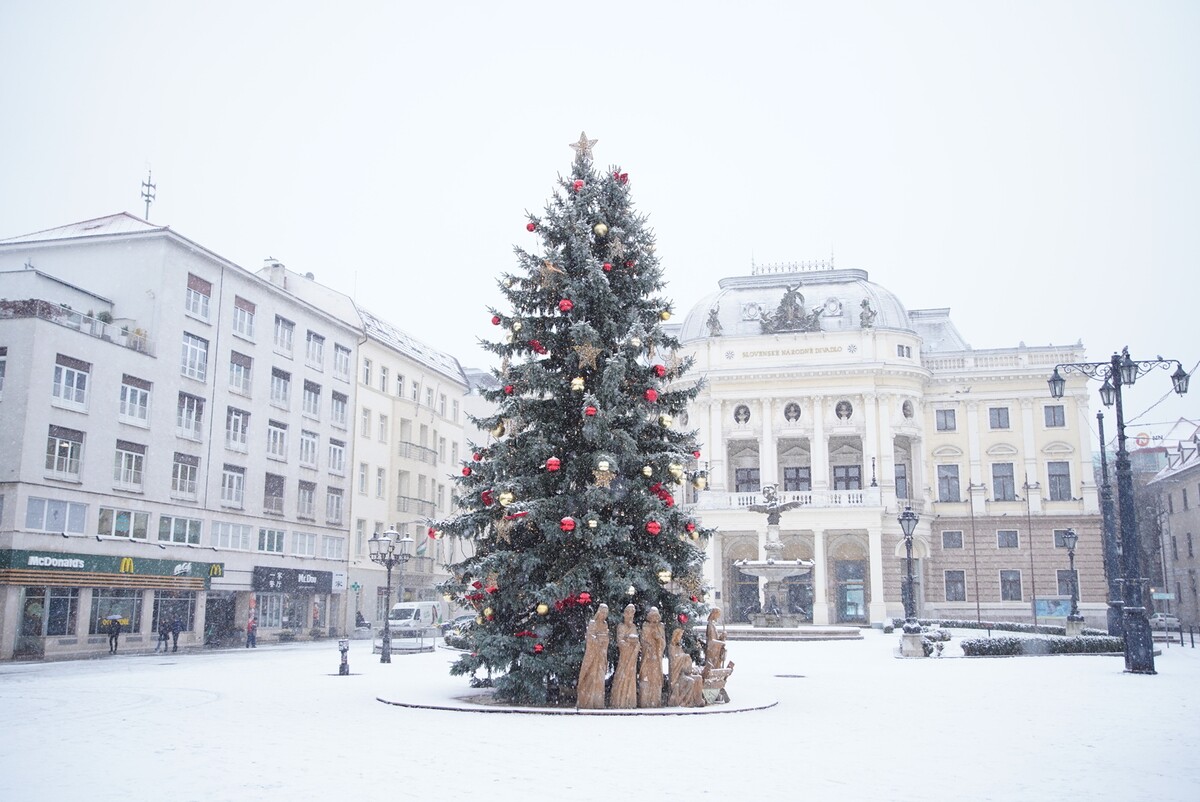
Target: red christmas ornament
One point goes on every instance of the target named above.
(683, 618)
(487, 498)
(493, 589)
(590, 411)
(652, 395)
(537, 346)
(585, 598)
(694, 598)
(607, 267)
(495, 320)
(660, 370)
(621, 178)
(567, 524)
(565, 305)
(466, 470)
(538, 648)
(691, 526)
(477, 584)
(630, 263)
(653, 527)
(577, 184)
(553, 464)
(530, 226)
(477, 456)
(696, 454)
(508, 389)
(432, 533)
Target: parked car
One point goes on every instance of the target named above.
(1164, 621)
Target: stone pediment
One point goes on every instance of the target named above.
(1058, 447)
(1002, 450)
(944, 452)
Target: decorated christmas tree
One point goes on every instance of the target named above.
(572, 500)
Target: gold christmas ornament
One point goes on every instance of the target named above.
(676, 470)
(600, 229)
(577, 384)
(498, 430)
(603, 477)
(647, 470)
(603, 465)
(631, 591)
(487, 612)
(700, 482)
(664, 315)
(506, 498)
(593, 523)
(543, 608)
(587, 355)
(636, 342)
(665, 420)
(479, 620)
(517, 325)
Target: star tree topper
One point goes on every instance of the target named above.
(584, 146)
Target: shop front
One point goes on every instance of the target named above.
(66, 605)
(293, 602)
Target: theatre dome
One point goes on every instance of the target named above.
(794, 298)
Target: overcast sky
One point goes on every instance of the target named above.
(1032, 166)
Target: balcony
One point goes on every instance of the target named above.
(869, 497)
(419, 453)
(135, 339)
(417, 506)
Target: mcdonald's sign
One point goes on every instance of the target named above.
(216, 569)
(126, 565)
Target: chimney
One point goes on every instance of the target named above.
(274, 272)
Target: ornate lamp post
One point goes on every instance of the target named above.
(908, 523)
(1070, 539)
(389, 551)
(1119, 371)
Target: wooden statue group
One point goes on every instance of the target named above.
(640, 684)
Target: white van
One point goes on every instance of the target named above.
(424, 616)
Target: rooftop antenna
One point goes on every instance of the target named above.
(148, 193)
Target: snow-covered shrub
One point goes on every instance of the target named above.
(1009, 646)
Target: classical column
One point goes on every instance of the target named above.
(878, 606)
(1029, 482)
(716, 445)
(870, 444)
(887, 453)
(975, 461)
(819, 447)
(768, 454)
(820, 609)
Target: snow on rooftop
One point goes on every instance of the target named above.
(381, 330)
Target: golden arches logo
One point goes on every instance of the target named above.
(126, 565)
(216, 569)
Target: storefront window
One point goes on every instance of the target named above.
(115, 601)
(172, 604)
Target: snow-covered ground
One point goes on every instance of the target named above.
(852, 722)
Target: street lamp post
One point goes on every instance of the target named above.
(1119, 371)
(908, 524)
(1070, 538)
(389, 550)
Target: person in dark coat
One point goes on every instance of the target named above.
(176, 628)
(164, 635)
(252, 633)
(114, 634)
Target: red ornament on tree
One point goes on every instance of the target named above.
(508, 389)
(621, 178)
(553, 464)
(630, 263)
(530, 226)
(538, 648)
(466, 470)
(590, 411)
(652, 395)
(683, 618)
(477, 456)
(607, 267)
(477, 584)
(585, 598)
(565, 305)
(653, 527)
(487, 498)
(690, 526)
(567, 524)
(577, 184)
(495, 320)
(537, 347)
(696, 454)
(660, 370)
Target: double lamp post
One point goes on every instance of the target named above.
(1118, 372)
(389, 550)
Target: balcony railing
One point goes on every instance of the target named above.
(419, 453)
(416, 506)
(134, 339)
(868, 497)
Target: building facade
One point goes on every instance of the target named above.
(1178, 484)
(178, 434)
(821, 383)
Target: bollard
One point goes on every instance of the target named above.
(344, 648)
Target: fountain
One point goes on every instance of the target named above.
(773, 569)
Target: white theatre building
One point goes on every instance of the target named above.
(822, 383)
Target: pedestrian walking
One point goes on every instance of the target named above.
(252, 633)
(176, 628)
(114, 634)
(164, 635)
